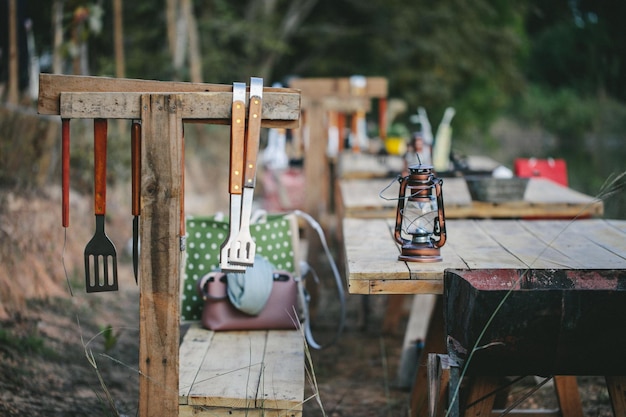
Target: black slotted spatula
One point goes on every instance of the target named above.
(100, 254)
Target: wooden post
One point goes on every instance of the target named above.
(433, 343)
(159, 301)
(315, 165)
(14, 56)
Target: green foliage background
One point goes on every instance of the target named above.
(556, 66)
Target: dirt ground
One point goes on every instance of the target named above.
(57, 357)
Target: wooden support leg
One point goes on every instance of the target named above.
(434, 343)
(393, 315)
(617, 391)
(480, 396)
(438, 382)
(568, 396)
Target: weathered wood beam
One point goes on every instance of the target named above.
(159, 296)
(333, 103)
(279, 109)
(375, 87)
(281, 105)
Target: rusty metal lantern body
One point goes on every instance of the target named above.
(420, 222)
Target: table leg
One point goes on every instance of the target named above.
(393, 315)
(617, 391)
(568, 396)
(433, 343)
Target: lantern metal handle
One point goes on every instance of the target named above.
(398, 229)
(441, 218)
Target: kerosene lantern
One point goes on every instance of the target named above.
(420, 222)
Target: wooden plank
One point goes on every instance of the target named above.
(52, 85)
(159, 301)
(192, 352)
(380, 195)
(435, 342)
(316, 165)
(480, 388)
(279, 109)
(338, 104)
(518, 239)
(282, 383)
(438, 381)
(371, 252)
(353, 166)
(372, 255)
(406, 286)
(230, 374)
(360, 198)
(616, 386)
(200, 410)
(361, 286)
(617, 224)
(591, 244)
(340, 87)
(568, 396)
(269, 363)
(477, 248)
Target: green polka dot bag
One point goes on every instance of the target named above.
(274, 236)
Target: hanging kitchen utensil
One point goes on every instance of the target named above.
(100, 252)
(235, 180)
(182, 229)
(135, 139)
(65, 172)
(245, 246)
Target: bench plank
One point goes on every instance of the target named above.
(231, 370)
(192, 352)
(241, 373)
(283, 378)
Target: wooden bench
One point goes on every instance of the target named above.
(241, 373)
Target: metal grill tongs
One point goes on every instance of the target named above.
(235, 179)
(239, 249)
(244, 244)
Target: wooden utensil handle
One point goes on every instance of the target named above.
(65, 172)
(252, 141)
(237, 128)
(100, 165)
(183, 229)
(135, 137)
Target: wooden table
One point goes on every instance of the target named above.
(372, 267)
(543, 198)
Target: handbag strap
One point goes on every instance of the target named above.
(304, 296)
(203, 285)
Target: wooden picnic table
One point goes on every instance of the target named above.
(360, 198)
(372, 265)
(474, 244)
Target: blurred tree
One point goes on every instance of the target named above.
(435, 54)
(579, 45)
(474, 57)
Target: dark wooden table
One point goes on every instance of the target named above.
(372, 268)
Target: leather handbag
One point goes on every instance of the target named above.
(280, 311)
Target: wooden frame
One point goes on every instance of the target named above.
(162, 107)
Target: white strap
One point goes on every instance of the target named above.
(304, 298)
